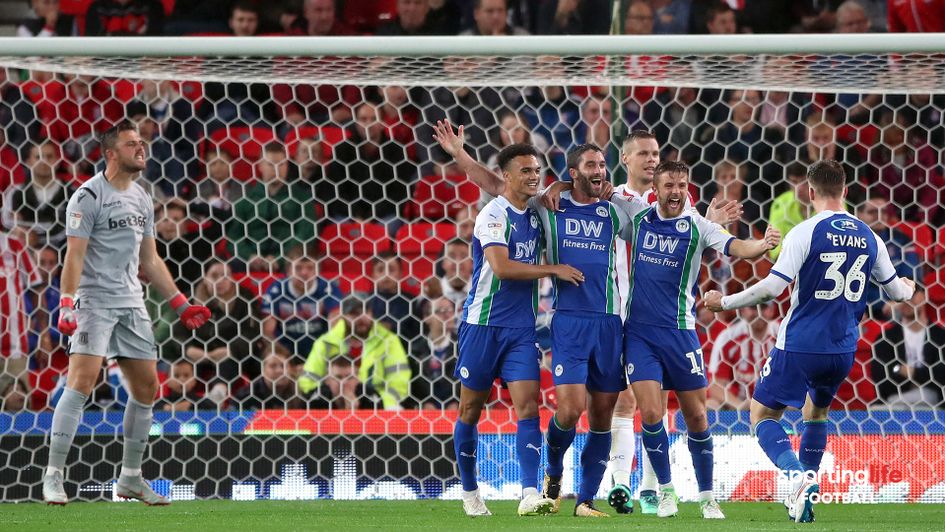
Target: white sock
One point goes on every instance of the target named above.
(649, 476)
(705, 496)
(529, 491)
(622, 449)
(468, 495)
(667, 486)
(129, 472)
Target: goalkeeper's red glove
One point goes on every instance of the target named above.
(192, 316)
(66, 323)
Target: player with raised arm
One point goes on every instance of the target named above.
(661, 348)
(829, 257)
(497, 334)
(585, 330)
(110, 230)
(640, 153)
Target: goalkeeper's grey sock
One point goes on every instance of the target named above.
(65, 422)
(137, 426)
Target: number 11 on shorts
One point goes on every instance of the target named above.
(695, 357)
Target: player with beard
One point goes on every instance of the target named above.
(110, 232)
(660, 343)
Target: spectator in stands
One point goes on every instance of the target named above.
(45, 312)
(874, 212)
(275, 387)
(183, 392)
(107, 18)
(738, 353)
(298, 309)
(466, 222)
(189, 17)
(244, 19)
(792, 206)
(851, 17)
(915, 16)
(720, 19)
(640, 19)
(13, 398)
(274, 216)
(321, 20)
(220, 349)
(166, 168)
(358, 357)
(19, 278)
(219, 189)
(437, 388)
(412, 19)
(308, 160)
(909, 175)
(671, 16)
(491, 18)
(389, 305)
(594, 126)
(370, 174)
(675, 115)
(171, 106)
(909, 359)
(822, 144)
(453, 272)
(728, 184)
(46, 20)
(400, 116)
(740, 138)
(18, 124)
(39, 206)
(185, 250)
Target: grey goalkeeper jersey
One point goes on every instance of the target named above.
(114, 222)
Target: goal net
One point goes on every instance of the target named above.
(292, 174)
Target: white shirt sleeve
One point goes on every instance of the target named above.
(630, 206)
(81, 212)
(794, 250)
(712, 234)
(765, 290)
(491, 229)
(883, 270)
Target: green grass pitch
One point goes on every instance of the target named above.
(327, 516)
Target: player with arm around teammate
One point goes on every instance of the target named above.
(830, 257)
(110, 231)
(497, 333)
(661, 348)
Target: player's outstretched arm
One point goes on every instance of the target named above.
(452, 143)
(765, 290)
(508, 269)
(750, 249)
(192, 316)
(69, 283)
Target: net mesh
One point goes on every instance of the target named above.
(382, 211)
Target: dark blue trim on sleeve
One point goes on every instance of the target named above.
(781, 275)
(728, 245)
(887, 281)
(495, 244)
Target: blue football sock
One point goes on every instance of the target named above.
(593, 463)
(465, 442)
(559, 441)
(700, 447)
(656, 444)
(776, 444)
(813, 444)
(528, 447)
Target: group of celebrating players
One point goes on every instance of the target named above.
(625, 264)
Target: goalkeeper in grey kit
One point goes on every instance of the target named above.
(110, 230)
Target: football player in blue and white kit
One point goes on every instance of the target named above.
(497, 334)
(829, 257)
(660, 342)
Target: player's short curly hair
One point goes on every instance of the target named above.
(109, 138)
(516, 150)
(575, 154)
(827, 178)
(670, 167)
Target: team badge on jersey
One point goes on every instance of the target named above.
(602, 212)
(534, 221)
(682, 226)
(559, 370)
(464, 372)
(75, 219)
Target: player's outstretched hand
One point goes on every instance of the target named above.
(723, 212)
(713, 300)
(772, 237)
(192, 316)
(569, 274)
(451, 142)
(67, 323)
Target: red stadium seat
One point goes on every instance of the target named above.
(349, 249)
(243, 143)
(437, 197)
(921, 234)
(256, 282)
(420, 244)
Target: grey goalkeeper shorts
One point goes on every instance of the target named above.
(114, 332)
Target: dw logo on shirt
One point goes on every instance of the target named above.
(666, 244)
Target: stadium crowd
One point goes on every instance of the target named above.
(330, 237)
